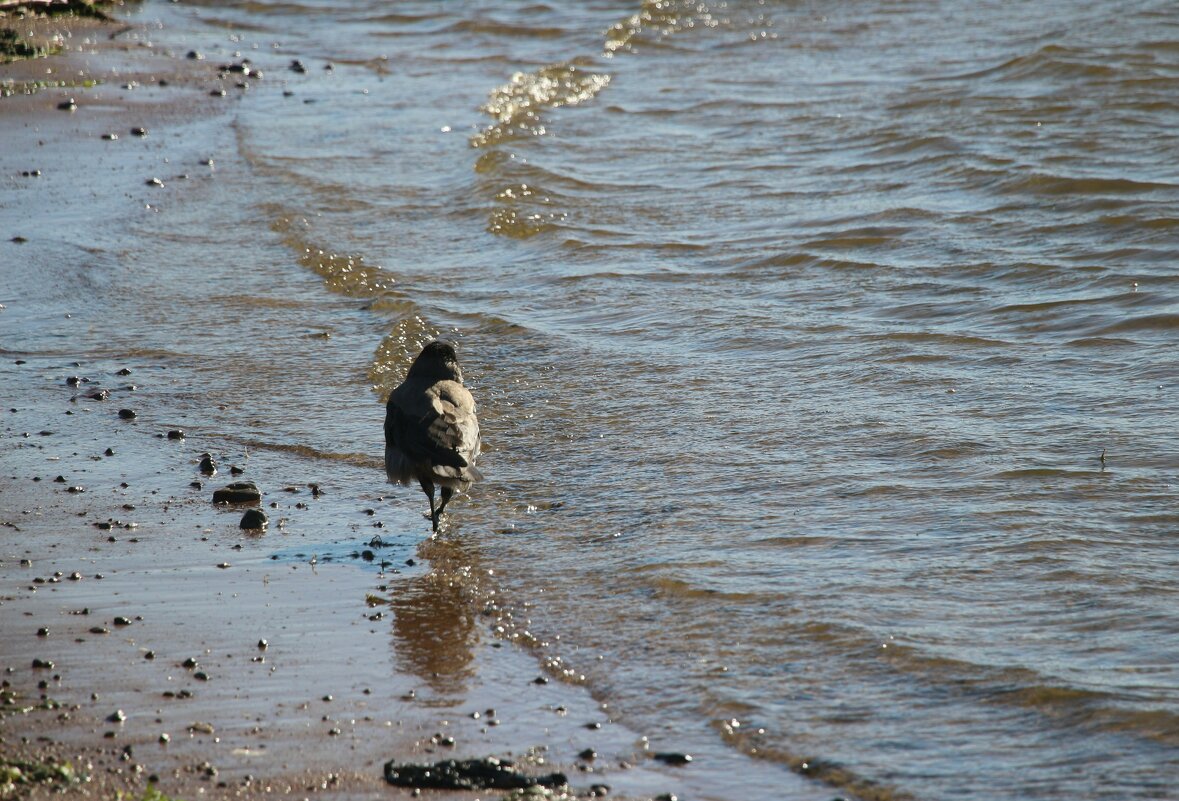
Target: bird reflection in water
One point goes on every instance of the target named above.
(434, 631)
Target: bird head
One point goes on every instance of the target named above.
(438, 362)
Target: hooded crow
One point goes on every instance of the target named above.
(431, 432)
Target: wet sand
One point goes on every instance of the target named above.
(145, 635)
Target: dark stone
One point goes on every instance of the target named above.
(673, 758)
(127, 414)
(254, 519)
(176, 433)
(298, 66)
(238, 492)
(139, 132)
(208, 466)
(468, 774)
(588, 754)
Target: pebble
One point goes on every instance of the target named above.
(176, 433)
(673, 758)
(208, 466)
(68, 105)
(127, 414)
(254, 519)
(140, 132)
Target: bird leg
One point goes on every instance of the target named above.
(428, 488)
(447, 493)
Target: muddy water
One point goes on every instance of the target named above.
(825, 353)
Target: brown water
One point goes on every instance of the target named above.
(799, 332)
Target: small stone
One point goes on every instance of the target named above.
(254, 519)
(116, 717)
(165, 738)
(189, 663)
(42, 664)
(122, 621)
(110, 137)
(208, 466)
(140, 132)
(154, 182)
(68, 105)
(176, 433)
(588, 754)
(263, 645)
(149, 655)
(673, 758)
(109, 452)
(127, 414)
(42, 632)
(540, 680)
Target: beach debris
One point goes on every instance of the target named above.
(238, 492)
(468, 774)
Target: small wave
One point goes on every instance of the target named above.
(357, 459)
(1150, 322)
(946, 340)
(344, 273)
(516, 106)
(755, 744)
(1042, 473)
(1050, 61)
(1087, 186)
(657, 19)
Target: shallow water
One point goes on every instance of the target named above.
(825, 353)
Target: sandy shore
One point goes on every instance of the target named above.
(146, 637)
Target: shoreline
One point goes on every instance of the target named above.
(150, 602)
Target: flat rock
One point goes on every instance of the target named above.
(238, 492)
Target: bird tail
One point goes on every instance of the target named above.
(398, 468)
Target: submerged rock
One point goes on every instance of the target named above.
(468, 774)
